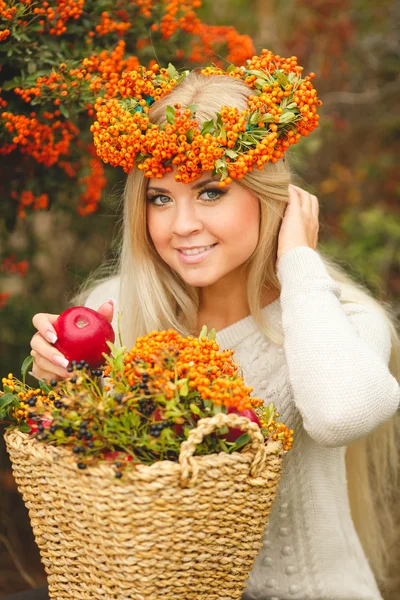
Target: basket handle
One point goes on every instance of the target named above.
(189, 466)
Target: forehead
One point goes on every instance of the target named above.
(168, 183)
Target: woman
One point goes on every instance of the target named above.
(242, 258)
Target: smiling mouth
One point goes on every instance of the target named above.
(195, 251)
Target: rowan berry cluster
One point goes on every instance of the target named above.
(282, 108)
(44, 142)
(142, 404)
(11, 265)
(27, 199)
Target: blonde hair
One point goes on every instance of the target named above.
(153, 296)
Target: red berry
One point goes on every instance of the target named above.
(117, 455)
(33, 425)
(83, 334)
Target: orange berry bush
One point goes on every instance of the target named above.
(56, 58)
(141, 404)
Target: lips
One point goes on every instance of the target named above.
(191, 259)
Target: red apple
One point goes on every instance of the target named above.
(234, 432)
(83, 334)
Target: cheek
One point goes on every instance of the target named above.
(241, 225)
(157, 227)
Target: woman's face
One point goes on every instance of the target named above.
(182, 217)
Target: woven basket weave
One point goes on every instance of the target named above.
(187, 530)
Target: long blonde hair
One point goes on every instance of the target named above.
(153, 296)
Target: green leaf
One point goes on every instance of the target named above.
(184, 390)
(189, 135)
(170, 114)
(241, 441)
(259, 83)
(208, 127)
(25, 366)
(44, 387)
(231, 68)
(224, 446)
(192, 108)
(281, 77)
(223, 430)
(203, 332)
(195, 409)
(287, 117)
(212, 334)
(6, 399)
(64, 111)
(172, 72)
(24, 427)
(231, 153)
(32, 68)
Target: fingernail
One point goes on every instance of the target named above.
(51, 337)
(112, 301)
(60, 360)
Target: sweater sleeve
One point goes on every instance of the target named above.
(337, 355)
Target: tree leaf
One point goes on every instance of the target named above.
(172, 72)
(203, 332)
(170, 114)
(281, 77)
(64, 111)
(184, 390)
(25, 366)
(208, 127)
(195, 409)
(44, 387)
(192, 108)
(241, 441)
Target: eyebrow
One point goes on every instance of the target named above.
(194, 187)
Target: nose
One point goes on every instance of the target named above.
(186, 220)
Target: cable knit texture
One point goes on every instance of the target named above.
(331, 383)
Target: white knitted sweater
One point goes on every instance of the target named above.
(331, 384)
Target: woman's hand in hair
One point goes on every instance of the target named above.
(300, 224)
(48, 362)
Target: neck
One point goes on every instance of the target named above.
(225, 303)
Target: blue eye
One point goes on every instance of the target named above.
(152, 200)
(213, 194)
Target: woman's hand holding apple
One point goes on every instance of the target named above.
(48, 361)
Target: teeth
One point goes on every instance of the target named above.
(196, 250)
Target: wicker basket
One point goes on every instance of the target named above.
(172, 531)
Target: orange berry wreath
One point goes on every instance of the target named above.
(282, 108)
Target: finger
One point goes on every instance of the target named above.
(107, 309)
(294, 202)
(45, 375)
(51, 354)
(42, 365)
(304, 198)
(315, 206)
(44, 324)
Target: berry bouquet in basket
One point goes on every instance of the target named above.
(149, 476)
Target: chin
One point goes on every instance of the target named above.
(199, 279)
